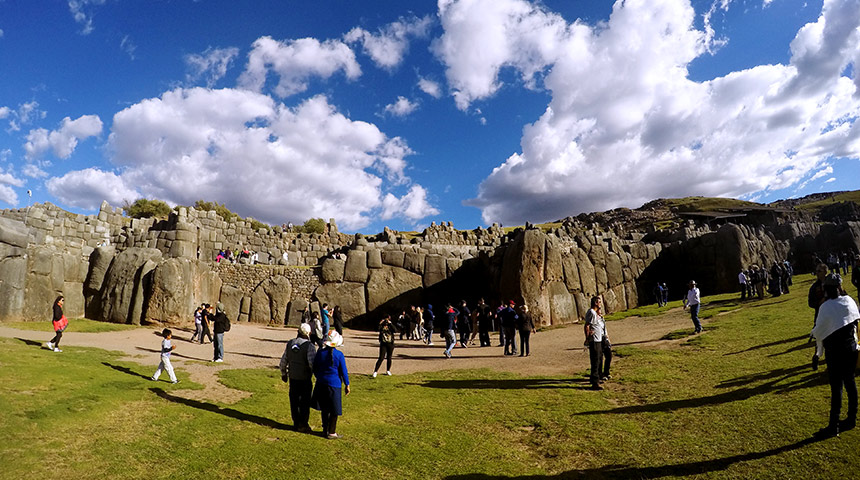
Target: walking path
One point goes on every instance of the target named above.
(557, 351)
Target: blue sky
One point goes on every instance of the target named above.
(402, 113)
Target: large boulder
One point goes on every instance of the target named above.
(100, 260)
(393, 287)
(124, 282)
(13, 274)
(294, 311)
(435, 270)
(356, 266)
(270, 299)
(571, 273)
(348, 295)
(172, 297)
(231, 298)
(394, 258)
(332, 270)
(562, 308)
(14, 233)
(614, 274)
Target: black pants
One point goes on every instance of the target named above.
(510, 340)
(300, 401)
(57, 337)
(840, 372)
(385, 351)
(464, 337)
(600, 358)
(524, 341)
(206, 333)
(743, 291)
(484, 337)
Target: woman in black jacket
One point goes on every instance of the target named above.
(60, 324)
(386, 345)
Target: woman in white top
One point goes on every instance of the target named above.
(835, 335)
(692, 302)
(599, 349)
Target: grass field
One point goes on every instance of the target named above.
(738, 401)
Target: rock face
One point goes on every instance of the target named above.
(269, 301)
(179, 285)
(349, 295)
(394, 288)
(127, 282)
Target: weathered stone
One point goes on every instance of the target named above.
(394, 258)
(261, 311)
(121, 282)
(73, 304)
(14, 233)
(553, 269)
(332, 270)
(374, 258)
(279, 289)
(356, 267)
(586, 272)
(435, 270)
(614, 275)
(231, 298)
(393, 288)
(414, 262)
(294, 311)
(453, 264)
(571, 273)
(348, 295)
(562, 308)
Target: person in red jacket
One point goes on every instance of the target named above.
(60, 323)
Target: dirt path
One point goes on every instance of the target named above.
(558, 351)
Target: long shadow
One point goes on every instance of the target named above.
(811, 380)
(269, 340)
(32, 343)
(758, 305)
(126, 370)
(798, 347)
(771, 344)
(782, 373)
(229, 412)
(663, 471)
(253, 355)
(510, 384)
(173, 354)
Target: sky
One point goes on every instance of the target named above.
(390, 113)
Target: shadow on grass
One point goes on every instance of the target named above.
(783, 384)
(798, 347)
(771, 344)
(662, 471)
(228, 412)
(126, 370)
(32, 343)
(508, 384)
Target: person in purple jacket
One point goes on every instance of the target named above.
(330, 372)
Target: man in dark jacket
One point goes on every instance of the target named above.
(509, 324)
(464, 323)
(816, 291)
(221, 324)
(297, 369)
(484, 322)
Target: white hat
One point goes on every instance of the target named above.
(333, 339)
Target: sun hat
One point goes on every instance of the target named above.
(305, 329)
(333, 339)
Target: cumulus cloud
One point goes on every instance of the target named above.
(4, 112)
(26, 114)
(819, 174)
(82, 11)
(260, 157)
(401, 108)
(389, 44)
(62, 141)
(430, 87)
(7, 193)
(645, 130)
(295, 62)
(89, 187)
(33, 171)
(211, 65)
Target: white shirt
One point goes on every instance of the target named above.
(166, 347)
(692, 297)
(742, 278)
(598, 326)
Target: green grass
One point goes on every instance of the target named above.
(75, 325)
(738, 401)
(707, 204)
(852, 196)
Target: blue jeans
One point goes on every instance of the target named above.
(428, 333)
(219, 346)
(694, 315)
(450, 341)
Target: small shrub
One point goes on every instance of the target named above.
(219, 208)
(145, 208)
(314, 225)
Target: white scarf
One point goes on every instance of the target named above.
(833, 315)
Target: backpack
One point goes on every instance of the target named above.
(227, 324)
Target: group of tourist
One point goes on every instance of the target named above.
(755, 280)
(204, 316)
(230, 256)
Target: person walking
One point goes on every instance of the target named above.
(693, 301)
(205, 316)
(59, 322)
(198, 323)
(526, 326)
(509, 326)
(835, 335)
(297, 370)
(386, 345)
(658, 294)
(484, 313)
(316, 329)
(816, 291)
(221, 325)
(331, 373)
(325, 315)
(166, 349)
(429, 318)
(464, 324)
(450, 334)
(597, 341)
(337, 317)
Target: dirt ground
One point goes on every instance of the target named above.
(557, 351)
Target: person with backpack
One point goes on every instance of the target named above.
(221, 324)
(316, 329)
(386, 345)
(297, 369)
(429, 317)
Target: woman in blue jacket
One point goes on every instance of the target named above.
(330, 372)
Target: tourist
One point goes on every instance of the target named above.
(451, 314)
(785, 276)
(330, 372)
(484, 314)
(166, 348)
(597, 341)
(526, 326)
(220, 324)
(419, 325)
(337, 318)
(665, 294)
(658, 294)
(509, 325)
(297, 369)
(306, 313)
(386, 344)
(855, 275)
(816, 291)
(833, 262)
(316, 329)
(835, 334)
(464, 324)
(429, 318)
(775, 286)
(198, 324)
(693, 302)
(60, 323)
(497, 322)
(402, 323)
(205, 315)
(742, 280)
(325, 314)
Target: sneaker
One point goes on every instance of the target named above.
(605, 378)
(153, 379)
(50, 345)
(388, 373)
(595, 388)
(332, 436)
(447, 354)
(175, 382)
(826, 432)
(430, 344)
(218, 360)
(57, 350)
(373, 375)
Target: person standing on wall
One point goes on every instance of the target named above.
(595, 339)
(60, 323)
(221, 324)
(693, 301)
(297, 369)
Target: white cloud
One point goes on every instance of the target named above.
(831, 179)
(401, 108)
(63, 140)
(26, 114)
(413, 205)
(128, 46)
(211, 65)
(33, 171)
(645, 130)
(430, 88)
(295, 62)
(819, 174)
(7, 181)
(82, 12)
(261, 158)
(89, 187)
(4, 112)
(389, 44)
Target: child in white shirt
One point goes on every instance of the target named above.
(166, 348)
